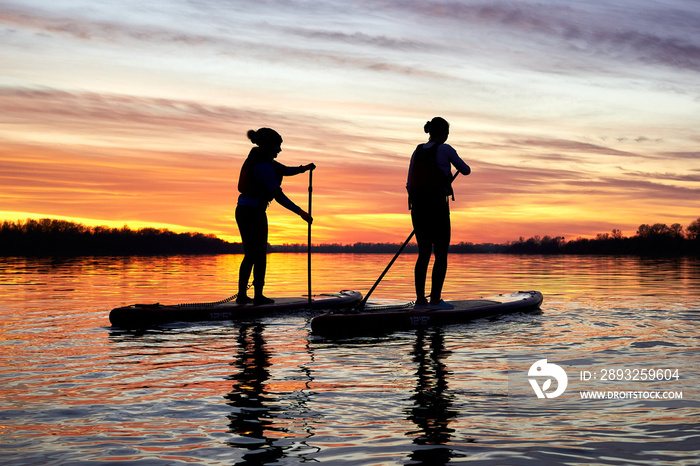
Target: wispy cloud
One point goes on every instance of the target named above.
(68, 24)
(637, 31)
(570, 146)
(694, 156)
(92, 113)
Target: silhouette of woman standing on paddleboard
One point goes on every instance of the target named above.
(259, 183)
(429, 189)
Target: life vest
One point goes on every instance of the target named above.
(250, 184)
(427, 182)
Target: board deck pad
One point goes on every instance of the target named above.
(156, 313)
(385, 318)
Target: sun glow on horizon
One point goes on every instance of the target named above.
(91, 222)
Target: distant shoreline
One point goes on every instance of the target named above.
(634, 246)
(47, 237)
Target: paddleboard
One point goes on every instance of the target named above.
(149, 314)
(382, 318)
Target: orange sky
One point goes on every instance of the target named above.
(575, 118)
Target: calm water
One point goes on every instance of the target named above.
(75, 390)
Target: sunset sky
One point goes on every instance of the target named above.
(575, 117)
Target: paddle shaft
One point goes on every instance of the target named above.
(362, 303)
(396, 256)
(308, 242)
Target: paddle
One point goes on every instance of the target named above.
(308, 241)
(361, 304)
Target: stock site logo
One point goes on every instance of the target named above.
(542, 368)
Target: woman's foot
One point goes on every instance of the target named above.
(440, 305)
(260, 300)
(243, 299)
(421, 303)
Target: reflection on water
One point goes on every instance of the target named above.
(251, 414)
(248, 393)
(432, 410)
(73, 389)
(254, 419)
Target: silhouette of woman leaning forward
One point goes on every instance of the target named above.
(429, 188)
(259, 183)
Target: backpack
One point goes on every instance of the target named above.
(427, 182)
(251, 185)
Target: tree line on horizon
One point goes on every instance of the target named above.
(654, 239)
(48, 237)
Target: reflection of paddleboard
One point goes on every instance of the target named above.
(402, 317)
(145, 314)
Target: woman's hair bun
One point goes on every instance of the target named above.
(251, 135)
